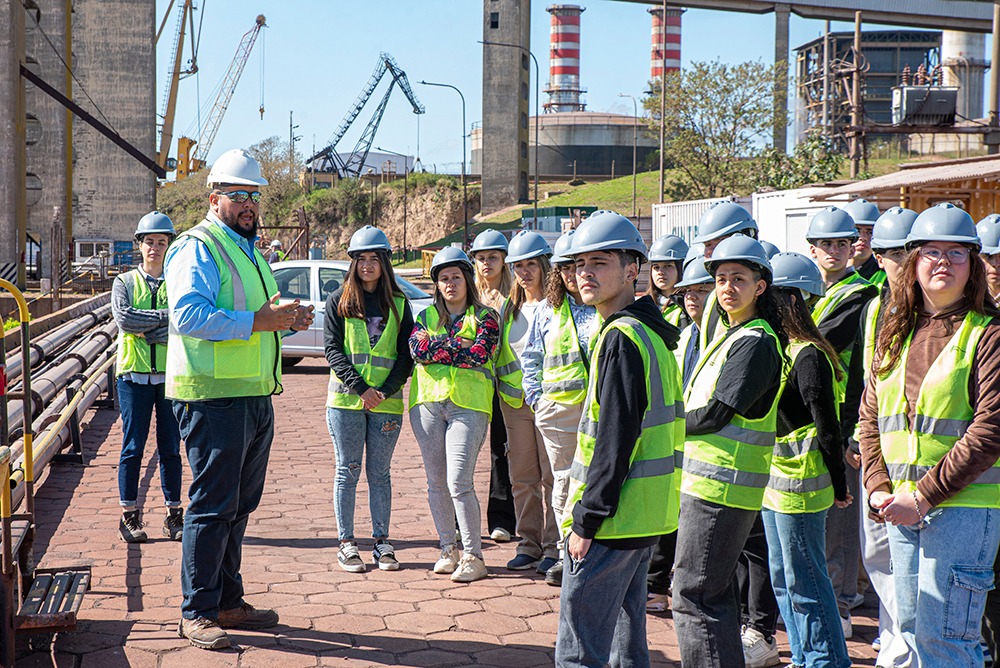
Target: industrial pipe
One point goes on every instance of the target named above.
(44, 347)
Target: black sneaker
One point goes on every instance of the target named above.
(384, 556)
(553, 576)
(173, 525)
(130, 527)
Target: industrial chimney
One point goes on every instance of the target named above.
(564, 60)
(668, 58)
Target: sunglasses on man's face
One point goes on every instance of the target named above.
(241, 196)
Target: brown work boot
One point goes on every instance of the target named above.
(204, 633)
(130, 527)
(173, 525)
(247, 617)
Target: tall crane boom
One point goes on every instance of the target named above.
(328, 157)
(232, 78)
(185, 13)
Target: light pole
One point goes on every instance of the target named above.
(635, 142)
(406, 175)
(663, 97)
(465, 190)
(538, 119)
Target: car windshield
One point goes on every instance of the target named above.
(293, 282)
(410, 290)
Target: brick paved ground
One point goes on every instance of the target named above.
(329, 618)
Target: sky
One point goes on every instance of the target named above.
(315, 57)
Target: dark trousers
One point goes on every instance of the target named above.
(137, 402)
(500, 505)
(228, 442)
(758, 607)
(661, 563)
(706, 605)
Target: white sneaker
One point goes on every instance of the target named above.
(657, 602)
(845, 623)
(448, 561)
(757, 652)
(855, 600)
(470, 569)
(500, 535)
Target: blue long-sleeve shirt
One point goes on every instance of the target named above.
(533, 357)
(193, 284)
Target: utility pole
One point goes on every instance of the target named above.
(856, 100)
(635, 143)
(993, 148)
(292, 138)
(826, 80)
(13, 196)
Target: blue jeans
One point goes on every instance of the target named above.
(137, 402)
(943, 570)
(228, 442)
(354, 433)
(450, 438)
(591, 632)
(796, 545)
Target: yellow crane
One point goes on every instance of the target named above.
(185, 16)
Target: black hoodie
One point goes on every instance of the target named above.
(621, 388)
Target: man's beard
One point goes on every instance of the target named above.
(233, 221)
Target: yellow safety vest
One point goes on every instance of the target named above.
(870, 333)
(710, 331)
(198, 369)
(466, 388)
(564, 368)
(374, 364)
(732, 466)
(682, 345)
(835, 296)
(674, 314)
(134, 353)
(510, 377)
(649, 500)
(942, 414)
(800, 481)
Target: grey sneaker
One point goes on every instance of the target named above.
(350, 559)
(204, 633)
(173, 525)
(384, 556)
(130, 527)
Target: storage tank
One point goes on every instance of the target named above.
(963, 56)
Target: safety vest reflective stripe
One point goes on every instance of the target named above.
(374, 360)
(730, 467)
(507, 369)
(795, 448)
(470, 388)
(942, 414)
(198, 369)
(564, 367)
(837, 293)
(649, 499)
(509, 376)
(800, 485)
(134, 353)
(673, 314)
(870, 324)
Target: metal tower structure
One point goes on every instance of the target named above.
(328, 159)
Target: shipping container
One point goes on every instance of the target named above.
(681, 218)
(783, 216)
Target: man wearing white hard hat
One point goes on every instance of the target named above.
(276, 254)
(223, 365)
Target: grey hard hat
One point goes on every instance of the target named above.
(723, 218)
(607, 230)
(943, 222)
(695, 273)
(988, 230)
(892, 227)
(831, 223)
(488, 240)
(526, 245)
(795, 270)
(740, 248)
(561, 250)
(368, 238)
(862, 211)
(695, 252)
(769, 248)
(667, 249)
(449, 257)
(155, 222)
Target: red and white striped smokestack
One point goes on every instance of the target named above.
(665, 54)
(564, 59)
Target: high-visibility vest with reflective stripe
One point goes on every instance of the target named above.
(374, 364)
(681, 350)
(870, 333)
(942, 414)
(800, 481)
(835, 296)
(134, 353)
(564, 368)
(466, 388)
(649, 499)
(732, 466)
(198, 369)
(510, 377)
(878, 279)
(713, 325)
(673, 314)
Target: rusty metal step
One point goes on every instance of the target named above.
(54, 599)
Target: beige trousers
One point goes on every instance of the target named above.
(559, 425)
(531, 483)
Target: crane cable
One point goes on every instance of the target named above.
(263, 46)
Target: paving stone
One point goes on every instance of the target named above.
(119, 657)
(516, 606)
(192, 656)
(269, 658)
(488, 622)
(419, 622)
(514, 656)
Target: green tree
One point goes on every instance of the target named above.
(718, 118)
(282, 193)
(815, 160)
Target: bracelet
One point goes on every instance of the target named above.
(916, 505)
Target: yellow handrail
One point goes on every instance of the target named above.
(22, 305)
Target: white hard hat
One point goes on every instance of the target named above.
(275, 243)
(238, 168)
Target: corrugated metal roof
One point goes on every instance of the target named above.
(953, 170)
